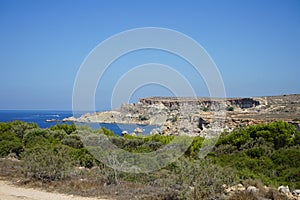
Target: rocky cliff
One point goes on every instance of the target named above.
(197, 116)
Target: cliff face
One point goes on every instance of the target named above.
(170, 102)
(196, 116)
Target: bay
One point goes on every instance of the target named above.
(40, 116)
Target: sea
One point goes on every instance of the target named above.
(40, 116)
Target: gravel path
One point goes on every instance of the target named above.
(11, 192)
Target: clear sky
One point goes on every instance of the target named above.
(254, 43)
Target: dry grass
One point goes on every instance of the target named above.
(10, 168)
(244, 195)
(85, 182)
(94, 183)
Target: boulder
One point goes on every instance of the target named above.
(296, 193)
(284, 189)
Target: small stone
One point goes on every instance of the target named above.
(124, 133)
(252, 189)
(227, 190)
(154, 131)
(133, 134)
(240, 187)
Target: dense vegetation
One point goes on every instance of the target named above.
(267, 153)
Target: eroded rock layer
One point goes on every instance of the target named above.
(200, 116)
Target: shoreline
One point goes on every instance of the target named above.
(195, 116)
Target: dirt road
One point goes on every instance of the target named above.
(11, 192)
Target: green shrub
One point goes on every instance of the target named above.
(73, 141)
(290, 176)
(47, 162)
(83, 158)
(139, 149)
(19, 128)
(289, 157)
(10, 143)
(256, 152)
(32, 137)
(133, 144)
(230, 108)
(153, 145)
(164, 139)
(296, 139)
(237, 137)
(107, 132)
(118, 141)
(66, 127)
(205, 109)
(224, 149)
(195, 147)
(205, 178)
(58, 134)
(5, 127)
(279, 133)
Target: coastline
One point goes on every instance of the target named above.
(166, 112)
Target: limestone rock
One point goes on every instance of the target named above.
(284, 189)
(124, 133)
(197, 116)
(296, 193)
(155, 131)
(138, 130)
(252, 189)
(240, 187)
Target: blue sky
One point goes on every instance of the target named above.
(255, 45)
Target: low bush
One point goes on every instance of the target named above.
(194, 148)
(73, 141)
(38, 135)
(164, 139)
(106, 131)
(10, 143)
(230, 108)
(65, 127)
(19, 128)
(201, 179)
(47, 162)
(83, 158)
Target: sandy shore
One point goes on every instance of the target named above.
(11, 192)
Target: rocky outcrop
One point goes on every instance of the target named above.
(261, 192)
(172, 102)
(197, 116)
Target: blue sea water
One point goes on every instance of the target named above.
(40, 116)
